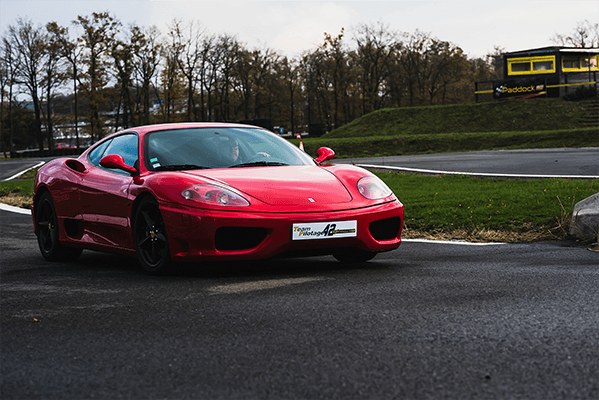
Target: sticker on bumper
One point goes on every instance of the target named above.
(324, 230)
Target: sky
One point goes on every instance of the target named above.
(293, 27)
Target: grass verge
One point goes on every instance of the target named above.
(18, 193)
(482, 210)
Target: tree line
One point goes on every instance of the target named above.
(107, 77)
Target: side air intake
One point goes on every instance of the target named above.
(385, 229)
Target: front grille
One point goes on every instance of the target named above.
(385, 229)
(238, 238)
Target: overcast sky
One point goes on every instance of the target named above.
(292, 27)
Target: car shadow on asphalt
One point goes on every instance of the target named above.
(98, 264)
(95, 262)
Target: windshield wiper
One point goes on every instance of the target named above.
(259, 164)
(179, 167)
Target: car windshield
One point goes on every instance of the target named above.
(219, 147)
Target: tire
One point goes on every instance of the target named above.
(149, 234)
(47, 232)
(354, 255)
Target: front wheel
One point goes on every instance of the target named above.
(151, 243)
(47, 232)
(354, 255)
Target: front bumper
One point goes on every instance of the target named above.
(200, 234)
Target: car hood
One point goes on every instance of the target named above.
(283, 186)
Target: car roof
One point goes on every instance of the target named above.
(185, 125)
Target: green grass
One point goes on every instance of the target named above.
(29, 174)
(19, 192)
(496, 116)
(17, 187)
(22, 186)
(449, 203)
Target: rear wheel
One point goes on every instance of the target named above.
(151, 243)
(354, 255)
(47, 232)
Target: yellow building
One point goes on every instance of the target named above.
(547, 71)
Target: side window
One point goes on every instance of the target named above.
(126, 147)
(96, 154)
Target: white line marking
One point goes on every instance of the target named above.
(18, 210)
(22, 172)
(433, 171)
(460, 242)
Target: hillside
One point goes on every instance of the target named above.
(514, 124)
(498, 116)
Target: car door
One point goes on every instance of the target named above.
(104, 194)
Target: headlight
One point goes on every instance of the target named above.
(373, 188)
(214, 195)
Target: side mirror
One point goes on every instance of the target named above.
(324, 154)
(114, 161)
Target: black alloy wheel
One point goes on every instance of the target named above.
(47, 232)
(151, 243)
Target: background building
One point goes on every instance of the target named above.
(546, 71)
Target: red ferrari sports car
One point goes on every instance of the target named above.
(210, 191)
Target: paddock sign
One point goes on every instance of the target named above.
(512, 88)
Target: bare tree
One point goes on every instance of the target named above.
(446, 64)
(374, 53)
(495, 61)
(99, 31)
(226, 51)
(206, 78)
(122, 56)
(288, 71)
(9, 60)
(189, 44)
(411, 61)
(253, 70)
(3, 82)
(71, 51)
(214, 56)
(146, 52)
(244, 85)
(337, 67)
(317, 83)
(171, 80)
(29, 45)
(585, 35)
(54, 76)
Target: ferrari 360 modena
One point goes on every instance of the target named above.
(196, 192)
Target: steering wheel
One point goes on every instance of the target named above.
(259, 156)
